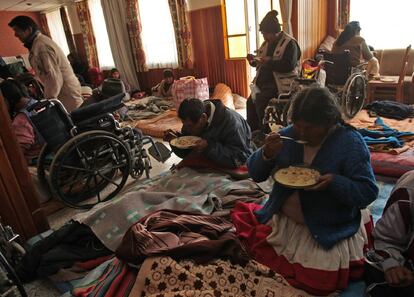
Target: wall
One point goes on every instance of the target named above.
(209, 60)
(199, 4)
(9, 44)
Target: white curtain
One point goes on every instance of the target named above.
(103, 48)
(158, 37)
(286, 12)
(56, 30)
(115, 16)
(384, 24)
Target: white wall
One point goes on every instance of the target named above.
(198, 4)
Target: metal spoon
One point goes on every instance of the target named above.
(293, 139)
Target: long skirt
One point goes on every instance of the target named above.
(290, 250)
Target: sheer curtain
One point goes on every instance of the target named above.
(115, 16)
(158, 34)
(99, 30)
(385, 24)
(57, 33)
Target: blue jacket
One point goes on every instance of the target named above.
(333, 214)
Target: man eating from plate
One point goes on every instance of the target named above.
(224, 134)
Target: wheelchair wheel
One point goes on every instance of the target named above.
(277, 112)
(353, 95)
(42, 166)
(10, 285)
(92, 164)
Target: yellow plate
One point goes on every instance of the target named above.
(297, 176)
(185, 142)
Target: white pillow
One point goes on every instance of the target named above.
(327, 43)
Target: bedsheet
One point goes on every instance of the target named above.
(387, 164)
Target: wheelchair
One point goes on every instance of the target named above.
(349, 84)
(88, 156)
(11, 253)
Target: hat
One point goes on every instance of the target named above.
(167, 73)
(270, 23)
(354, 25)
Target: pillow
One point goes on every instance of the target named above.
(327, 44)
(223, 93)
(239, 101)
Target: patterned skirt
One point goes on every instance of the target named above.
(290, 250)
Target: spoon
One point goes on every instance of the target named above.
(295, 140)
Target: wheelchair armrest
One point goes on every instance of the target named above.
(38, 105)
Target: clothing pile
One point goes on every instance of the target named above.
(382, 138)
(149, 107)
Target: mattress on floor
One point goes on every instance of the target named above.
(387, 164)
(156, 126)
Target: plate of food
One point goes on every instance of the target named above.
(388, 79)
(185, 142)
(297, 176)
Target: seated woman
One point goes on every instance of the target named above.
(116, 75)
(164, 88)
(18, 101)
(351, 40)
(314, 236)
(96, 77)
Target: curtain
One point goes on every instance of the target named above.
(343, 12)
(134, 32)
(115, 17)
(88, 37)
(286, 12)
(68, 31)
(56, 30)
(44, 28)
(182, 31)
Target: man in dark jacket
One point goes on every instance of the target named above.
(225, 134)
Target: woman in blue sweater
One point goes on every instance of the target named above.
(314, 237)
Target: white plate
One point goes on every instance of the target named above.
(297, 176)
(388, 79)
(185, 142)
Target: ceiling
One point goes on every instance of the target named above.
(32, 5)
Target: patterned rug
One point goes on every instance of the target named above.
(164, 277)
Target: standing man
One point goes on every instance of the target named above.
(49, 63)
(277, 64)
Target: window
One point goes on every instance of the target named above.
(57, 32)
(103, 47)
(158, 37)
(386, 24)
(242, 18)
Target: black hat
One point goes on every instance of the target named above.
(270, 23)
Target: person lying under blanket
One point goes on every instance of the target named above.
(313, 236)
(225, 135)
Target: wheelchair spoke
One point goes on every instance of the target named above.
(76, 168)
(96, 185)
(108, 179)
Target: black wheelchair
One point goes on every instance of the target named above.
(11, 253)
(88, 156)
(348, 83)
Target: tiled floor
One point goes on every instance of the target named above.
(45, 288)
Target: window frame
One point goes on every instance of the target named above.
(248, 27)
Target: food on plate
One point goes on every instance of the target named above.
(185, 141)
(297, 176)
